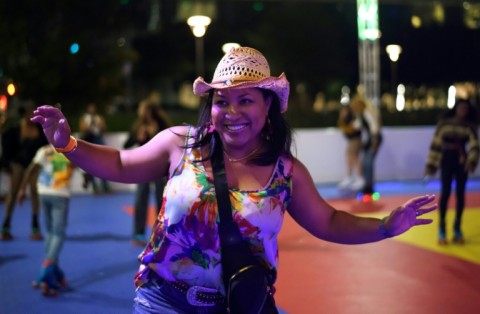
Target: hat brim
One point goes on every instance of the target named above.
(279, 85)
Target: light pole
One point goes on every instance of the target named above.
(198, 24)
(394, 52)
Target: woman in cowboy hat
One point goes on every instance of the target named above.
(243, 110)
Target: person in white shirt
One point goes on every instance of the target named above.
(53, 174)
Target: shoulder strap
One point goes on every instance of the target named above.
(220, 181)
(235, 252)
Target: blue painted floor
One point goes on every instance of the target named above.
(330, 191)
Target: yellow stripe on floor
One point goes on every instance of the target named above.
(426, 236)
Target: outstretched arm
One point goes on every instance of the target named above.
(142, 164)
(323, 221)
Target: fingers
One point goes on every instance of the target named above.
(423, 221)
(415, 208)
(420, 210)
(426, 210)
(38, 119)
(48, 112)
(420, 201)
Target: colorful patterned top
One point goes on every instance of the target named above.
(185, 243)
(55, 174)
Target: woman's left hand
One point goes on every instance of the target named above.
(408, 215)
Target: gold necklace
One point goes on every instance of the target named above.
(241, 158)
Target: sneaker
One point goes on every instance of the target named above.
(442, 238)
(357, 184)
(5, 235)
(345, 183)
(36, 234)
(458, 238)
(139, 240)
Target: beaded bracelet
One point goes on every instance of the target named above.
(71, 146)
(383, 229)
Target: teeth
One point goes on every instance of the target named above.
(236, 127)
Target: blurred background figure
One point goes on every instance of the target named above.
(22, 141)
(455, 151)
(53, 172)
(3, 118)
(371, 140)
(351, 127)
(92, 127)
(151, 119)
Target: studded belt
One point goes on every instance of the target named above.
(195, 295)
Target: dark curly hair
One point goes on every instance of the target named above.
(472, 115)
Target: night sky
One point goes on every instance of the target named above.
(313, 42)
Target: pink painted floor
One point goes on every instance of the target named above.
(385, 277)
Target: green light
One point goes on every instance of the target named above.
(376, 196)
(367, 19)
(257, 6)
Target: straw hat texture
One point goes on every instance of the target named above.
(245, 67)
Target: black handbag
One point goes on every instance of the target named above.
(246, 282)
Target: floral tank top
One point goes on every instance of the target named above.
(185, 244)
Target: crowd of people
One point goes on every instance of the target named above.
(241, 126)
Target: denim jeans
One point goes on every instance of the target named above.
(55, 209)
(142, 198)
(157, 296)
(368, 167)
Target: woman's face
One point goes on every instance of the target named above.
(462, 110)
(239, 116)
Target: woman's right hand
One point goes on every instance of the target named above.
(54, 125)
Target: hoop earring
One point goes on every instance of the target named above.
(267, 130)
(210, 128)
(269, 127)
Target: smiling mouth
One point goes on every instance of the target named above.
(235, 127)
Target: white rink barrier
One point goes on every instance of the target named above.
(402, 155)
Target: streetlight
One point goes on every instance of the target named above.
(198, 24)
(394, 52)
(228, 46)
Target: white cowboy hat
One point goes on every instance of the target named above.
(245, 67)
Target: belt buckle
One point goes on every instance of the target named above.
(192, 293)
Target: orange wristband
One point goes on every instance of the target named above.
(71, 146)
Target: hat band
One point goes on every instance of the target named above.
(231, 82)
